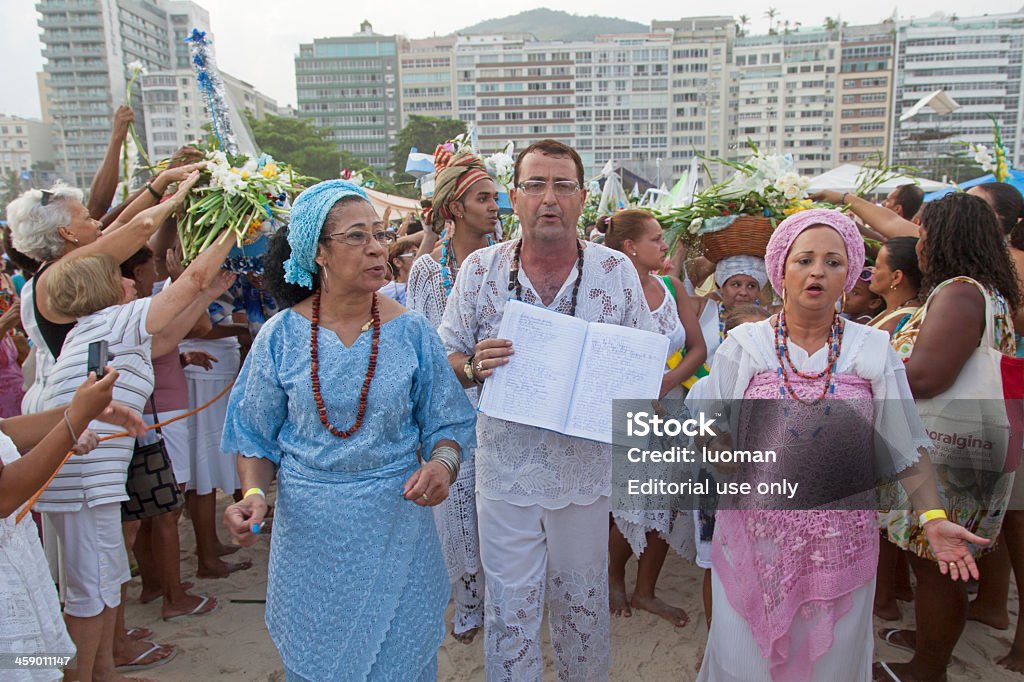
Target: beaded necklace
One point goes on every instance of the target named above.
(315, 368)
(449, 266)
(835, 341)
(721, 322)
(513, 274)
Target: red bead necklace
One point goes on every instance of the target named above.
(835, 343)
(315, 369)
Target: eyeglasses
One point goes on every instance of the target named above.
(563, 188)
(867, 274)
(47, 195)
(358, 237)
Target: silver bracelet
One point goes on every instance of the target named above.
(448, 457)
(71, 431)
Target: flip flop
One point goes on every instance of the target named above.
(139, 633)
(135, 666)
(888, 634)
(884, 667)
(196, 612)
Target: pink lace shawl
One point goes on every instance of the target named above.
(791, 574)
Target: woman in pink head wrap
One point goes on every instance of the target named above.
(792, 588)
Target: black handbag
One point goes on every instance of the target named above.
(151, 486)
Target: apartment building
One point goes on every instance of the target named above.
(24, 143)
(88, 45)
(426, 72)
(978, 62)
(783, 96)
(176, 111)
(865, 92)
(699, 64)
(349, 87)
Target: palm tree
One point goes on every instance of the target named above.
(831, 24)
(771, 13)
(743, 21)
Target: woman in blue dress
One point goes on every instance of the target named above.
(349, 399)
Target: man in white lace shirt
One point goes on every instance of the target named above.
(542, 497)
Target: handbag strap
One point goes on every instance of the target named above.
(156, 416)
(988, 335)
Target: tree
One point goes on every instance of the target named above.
(10, 186)
(771, 13)
(424, 133)
(831, 24)
(298, 142)
(742, 22)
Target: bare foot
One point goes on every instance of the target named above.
(225, 550)
(149, 594)
(994, 618)
(672, 614)
(617, 602)
(888, 611)
(222, 569)
(1013, 661)
(188, 606)
(466, 637)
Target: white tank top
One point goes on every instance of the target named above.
(667, 319)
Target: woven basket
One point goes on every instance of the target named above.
(746, 236)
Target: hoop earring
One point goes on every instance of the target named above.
(841, 304)
(323, 279)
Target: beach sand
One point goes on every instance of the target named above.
(232, 643)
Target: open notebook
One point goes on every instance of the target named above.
(566, 372)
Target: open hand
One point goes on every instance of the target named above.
(948, 542)
(198, 358)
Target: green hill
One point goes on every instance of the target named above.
(546, 24)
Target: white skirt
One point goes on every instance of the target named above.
(210, 469)
(732, 655)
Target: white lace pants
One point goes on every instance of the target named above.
(529, 553)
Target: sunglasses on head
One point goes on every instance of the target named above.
(867, 274)
(47, 195)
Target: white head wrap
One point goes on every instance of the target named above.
(752, 266)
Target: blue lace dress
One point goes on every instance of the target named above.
(357, 587)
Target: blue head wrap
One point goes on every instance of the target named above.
(307, 221)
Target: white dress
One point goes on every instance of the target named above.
(211, 469)
(30, 618)
(709, 327)
(455, 517)
(675, 527)
(732, 653)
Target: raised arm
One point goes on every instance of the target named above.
(182, 293)
(189, 319)
(150, 195)
(104, 183)
(883, 221)
(121, 243)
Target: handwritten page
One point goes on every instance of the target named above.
(535, 387)
(617, 363)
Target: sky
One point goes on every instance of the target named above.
(256, 40)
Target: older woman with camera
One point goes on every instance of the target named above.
(48, 225)
(83, 502)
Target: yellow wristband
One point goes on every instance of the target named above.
(254, 491)
(931, 515)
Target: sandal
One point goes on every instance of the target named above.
(139, 633)
(196, 612)
(888, 635)
(137, 664)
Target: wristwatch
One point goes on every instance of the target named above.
(468, 369)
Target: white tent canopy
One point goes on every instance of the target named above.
(399, 205)
(844, 178)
